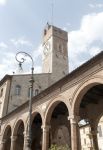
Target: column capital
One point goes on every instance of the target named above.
(74, 119)
(27, 142)
(25, 133)
(13, 138)
(3, 141)
(46, 127)
(26, 137)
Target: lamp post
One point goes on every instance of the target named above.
(22, 60)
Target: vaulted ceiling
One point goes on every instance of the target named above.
(93, 96)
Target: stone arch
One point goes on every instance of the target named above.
(52, 105)
(18, 135)
(6, 128)
(34, 113)
(7, 138)
(83, 100)
(81, 90)
(37, 111)
(99, 127)
(56, 120)
(36, 128)
(16, 126)
(98, 119)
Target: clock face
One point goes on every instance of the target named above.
(46, 49)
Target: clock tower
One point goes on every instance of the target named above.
(55, 52)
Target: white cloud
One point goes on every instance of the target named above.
(6, 65)
(21, 41)
(3, 2)
(37, 56)
(94, 50)
(38, 69)
(82, 44)
(3, 45)
(37, 52)
(91, 5)
(2, 66)
(68, 25)
(86, 41)
(100, 5)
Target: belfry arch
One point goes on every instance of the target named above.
(88, 105)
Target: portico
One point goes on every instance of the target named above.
(57, 111)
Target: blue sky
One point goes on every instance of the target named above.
(22, 23)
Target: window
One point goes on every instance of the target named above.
(1, 93)
(84, 141)
(45, 32)
(60, 47)
(84, 130)
(28, 92)
(36, 92)
(100, 131)
(17, 90)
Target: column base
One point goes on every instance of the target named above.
(27, 148)
(27, 143)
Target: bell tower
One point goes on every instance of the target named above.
(55, 52)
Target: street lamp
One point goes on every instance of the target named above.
(22, 60)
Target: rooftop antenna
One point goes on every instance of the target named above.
(52, 12)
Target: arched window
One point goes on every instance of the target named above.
(1, 92)
(17, 90)
(45, 32)
(36, 92)
(28, 92)
(100, 131)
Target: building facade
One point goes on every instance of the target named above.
(86, 137)
(100, 134)
(61, 101)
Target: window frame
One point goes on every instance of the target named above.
(17, 90)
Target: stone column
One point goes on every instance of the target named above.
(94, 135)
(13, 142)
(26, 142)
(75, 134)
(45, 139)
(2, 145)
